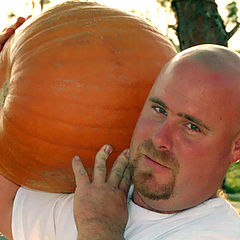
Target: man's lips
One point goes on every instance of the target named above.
(154, 161)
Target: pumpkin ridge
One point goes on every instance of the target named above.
(71, 101)
(54, 142)
(57, 42)
(49, 142)
(109, 128)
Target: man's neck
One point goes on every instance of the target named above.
(146, 203)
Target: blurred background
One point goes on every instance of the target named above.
(170, 16)
(186, 23)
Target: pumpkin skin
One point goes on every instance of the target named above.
(77, 78)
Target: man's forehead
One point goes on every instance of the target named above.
(202, 67)
(194, 83)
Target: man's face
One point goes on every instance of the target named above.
(182, 144)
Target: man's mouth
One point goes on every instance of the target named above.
(154, 161)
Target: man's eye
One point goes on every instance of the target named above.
(193, 127)
(158, 109)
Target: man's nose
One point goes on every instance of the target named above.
(162, 137)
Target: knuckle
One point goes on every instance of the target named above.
(82, 172)
(101, 156)
(121, 165)
(118, 172)
(123, 159)
(101, 168)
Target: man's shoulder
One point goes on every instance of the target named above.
(37, 214)
(215, 212)
(8, 191)
(217, 208)
(36, 196)
(210, 219)
(42, 202)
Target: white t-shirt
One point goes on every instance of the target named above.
(48, 216)
(43, 216)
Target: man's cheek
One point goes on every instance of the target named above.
(145, 129)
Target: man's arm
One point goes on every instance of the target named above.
(8, 189)
(100, 206)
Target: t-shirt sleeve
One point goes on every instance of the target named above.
(201, 236)
(43, 216)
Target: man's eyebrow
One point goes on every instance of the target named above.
(193, 119)
(159, 102)
(183, 115)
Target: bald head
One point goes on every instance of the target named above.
(213, 57)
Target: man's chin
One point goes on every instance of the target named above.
(154, 195)
(153, 191)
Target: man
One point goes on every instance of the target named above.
(185, 139)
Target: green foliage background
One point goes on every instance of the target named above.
(3, 238)
(232, 181)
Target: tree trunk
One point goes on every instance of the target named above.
(198, 22)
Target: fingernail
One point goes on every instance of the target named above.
(107, 149)
(126, 153)
(20, 19)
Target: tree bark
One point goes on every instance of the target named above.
(199, 22)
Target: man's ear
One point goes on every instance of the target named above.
(236, 150)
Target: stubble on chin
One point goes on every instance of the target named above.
(143, 183)
(143, 179)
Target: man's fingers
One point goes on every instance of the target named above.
(118, 168)
(18, 23)
(4, 36)
(9, 31)
(28, 17)
(99, 172)
(126, 182)
(80, 173)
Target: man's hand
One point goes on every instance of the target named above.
(9, 31)
(100, 206)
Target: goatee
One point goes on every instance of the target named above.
(142, 177)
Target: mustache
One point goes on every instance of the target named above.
(163, 157)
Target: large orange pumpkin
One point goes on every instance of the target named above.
(75, 78)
